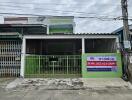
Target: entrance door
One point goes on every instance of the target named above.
(10, 53)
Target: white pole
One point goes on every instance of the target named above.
(83, 45)
(23, 52)
(117, 44)
(48, 28)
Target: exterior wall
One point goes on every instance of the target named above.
(55, 24)
(37, 20)
(101, 74)
(15, 20)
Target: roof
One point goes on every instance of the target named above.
(9, 35)
(121, 28)
(77, 34)
(15, 18)
(95, 33)
(21, 25)
(83, 34)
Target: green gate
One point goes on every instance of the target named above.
(53, 66)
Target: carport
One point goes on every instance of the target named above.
(63, 55)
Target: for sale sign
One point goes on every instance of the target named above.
(101, 63)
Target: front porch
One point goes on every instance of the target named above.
(64, 55)
(53, 58)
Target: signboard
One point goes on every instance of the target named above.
(101, 63)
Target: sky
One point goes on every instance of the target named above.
(97, 9)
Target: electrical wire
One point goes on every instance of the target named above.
(27, 3)
(69, 11)
(41, 15)
(92, 15)
(89, 15)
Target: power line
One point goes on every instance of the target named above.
(18, 8)
(27, 3)
(41, 15)
(92, 15)
(42, 9)
(48, 3)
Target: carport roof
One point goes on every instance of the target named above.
(83, 34)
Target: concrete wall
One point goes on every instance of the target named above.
(101, 74)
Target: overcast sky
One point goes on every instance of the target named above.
(83, 8)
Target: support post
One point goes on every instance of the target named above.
(47, 28)
(23, 52)
(83, 45)
(117, 45)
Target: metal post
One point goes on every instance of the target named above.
(39, 64)
(53, 65)
(67, 64)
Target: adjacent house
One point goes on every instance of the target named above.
(120, 32)
(48, 47)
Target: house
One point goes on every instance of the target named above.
(53, 50)
(54, 24)
(120, 32)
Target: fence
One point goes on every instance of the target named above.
(10, 52)
(53, 66)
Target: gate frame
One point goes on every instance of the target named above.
(64, 36)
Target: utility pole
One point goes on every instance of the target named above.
(126, 33)
(126, 40)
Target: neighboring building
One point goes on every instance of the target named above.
(54, 24)
(120, 32)
(33, 49)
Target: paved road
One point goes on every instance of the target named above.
(66, 95)
(39, 93)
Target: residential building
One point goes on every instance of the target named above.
(37, 49)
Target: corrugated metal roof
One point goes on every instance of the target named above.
(22, 25)
(97, 33)
(83, 34)
(121, 28)
(10, 35)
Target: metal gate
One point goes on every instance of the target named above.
(10, 55)
(53, 66)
